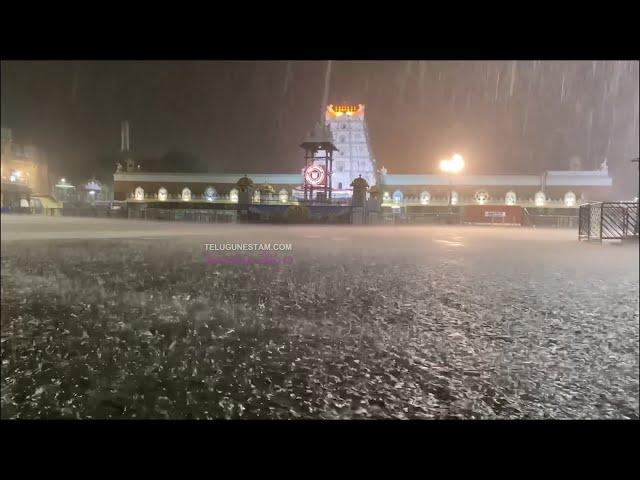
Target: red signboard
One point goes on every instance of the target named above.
(496, 214)
(493, 214)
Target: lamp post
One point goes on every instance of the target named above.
(637, 162)
(452, 166)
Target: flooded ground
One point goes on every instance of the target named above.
(117, 318)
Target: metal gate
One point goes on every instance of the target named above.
(608, 221)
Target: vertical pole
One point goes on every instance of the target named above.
(601, 213)
(304, 180)
(590, 214)
(450, 195)
(326, 181)
(330, 175)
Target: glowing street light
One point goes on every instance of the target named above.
(452, 166)
(457, 163)
(15, 176)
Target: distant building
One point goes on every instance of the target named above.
(563, 188)
(354, 159)
(24, 172)
(553, 188)
(64, 191)
(201, 187)
(94, 191)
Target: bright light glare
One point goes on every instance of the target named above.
(454, 165)
(457, 163)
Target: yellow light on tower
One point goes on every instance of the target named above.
(445, 165)
(340, 110)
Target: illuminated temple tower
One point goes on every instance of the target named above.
(353, 157)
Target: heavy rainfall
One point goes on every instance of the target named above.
(415, 307)
(509, 116)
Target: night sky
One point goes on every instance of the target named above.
(246, 116)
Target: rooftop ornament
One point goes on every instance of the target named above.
(604, 166)
(244, 183)
(360, 183)
(266, 188)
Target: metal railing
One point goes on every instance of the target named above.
(608, 221)
(93, 211)
(436, 218)
(185, 215)
(18, 210)
(550, 221)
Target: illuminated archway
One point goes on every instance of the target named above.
(570, 199)
(210, 194)
(481, 197)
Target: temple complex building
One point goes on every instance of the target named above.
(559, 188)
(353, 158)
(24, 172)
